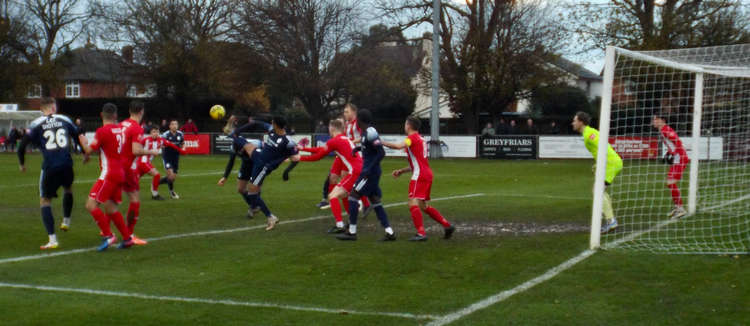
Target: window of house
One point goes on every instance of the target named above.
(72, 89)
(132, 91)
(35, 91)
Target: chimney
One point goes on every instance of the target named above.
(127, 53)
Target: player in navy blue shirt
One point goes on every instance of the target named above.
(52, 134)
(242, 147)
(171, 157)
(277, 148)
(368, 183)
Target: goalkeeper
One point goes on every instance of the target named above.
(580, 124)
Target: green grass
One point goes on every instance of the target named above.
(298, 264)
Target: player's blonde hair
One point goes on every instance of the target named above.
(337, 124)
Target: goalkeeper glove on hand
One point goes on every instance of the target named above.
(355, 150)
(668, 159)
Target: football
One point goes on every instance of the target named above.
(217, 112)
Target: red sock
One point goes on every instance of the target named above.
(435, 215)
(133, 212)
(102, 221)
(365, 202)
(336, 209)
(676, 197)
(116, 218)
(155, 182)
(416, 217)
(346, 204)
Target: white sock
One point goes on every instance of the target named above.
(389, 230)
(154, 193)
(66, 220)
(352, 228)
(52, 238)
(339, 224)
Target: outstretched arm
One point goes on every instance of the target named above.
(317, 154)
(400, 145)
(228, 169)
(175, 147)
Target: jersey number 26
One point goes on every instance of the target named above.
(56, 139)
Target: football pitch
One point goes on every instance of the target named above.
(519, 256)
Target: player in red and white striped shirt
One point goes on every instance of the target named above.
(107, 191)
(421, 180)
(351, 162)
(143, 163)
(676, 157)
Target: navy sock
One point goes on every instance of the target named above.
(248, 199)
(170, 184)
(258, 202)
(382, 216)
(163, 180)
(353, 210)
(48, 220)
(325, 188)
(67, 204)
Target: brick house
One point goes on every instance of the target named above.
(94, 73)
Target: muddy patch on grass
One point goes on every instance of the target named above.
(484, 228)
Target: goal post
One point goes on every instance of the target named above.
(680, 120)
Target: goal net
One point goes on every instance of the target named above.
(702, 96)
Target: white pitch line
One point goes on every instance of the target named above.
(225, 302)
(729, 202)
(549, 274)
(94, 180)
(451, 317)
(204, 233)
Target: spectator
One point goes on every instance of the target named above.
(502, 127)
(189, 127)
(164, 126)
(530, 128)
(488, 130)
(291, 131)
(512, 129)
(79, 125)
(552, 129)
(321, 128)
(2, 139)
(13, 136)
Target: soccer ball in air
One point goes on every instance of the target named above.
(217, 112)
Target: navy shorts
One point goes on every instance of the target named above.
(260, 171)
(171, 163)
(368, 186)
(52, 179)
(246, 170)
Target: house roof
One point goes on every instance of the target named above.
(576, 69)
(92, 64)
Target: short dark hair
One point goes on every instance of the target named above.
(414, 122)
(47, 101)
(365, 116)
(136, 107)
(351, 106)
(109, 111)
(660, 115)
(583, 117)
(173, 119)
(279, 121)
(336, 124)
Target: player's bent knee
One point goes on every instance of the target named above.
(90, 204)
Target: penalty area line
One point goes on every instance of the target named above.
(225, 302)
(211, 232)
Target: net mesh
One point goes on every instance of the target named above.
(663, 83)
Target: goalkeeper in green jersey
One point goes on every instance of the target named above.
(580, 124)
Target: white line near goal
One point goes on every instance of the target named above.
(202, 174)
(211, 232)
(225, 302)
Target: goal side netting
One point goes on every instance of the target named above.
(702, 95)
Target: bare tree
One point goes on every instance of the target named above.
(660, 24)
(299, 39)
(177, 41)
(49, 27)
(493, 52)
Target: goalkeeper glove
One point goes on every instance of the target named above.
(668, 158)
